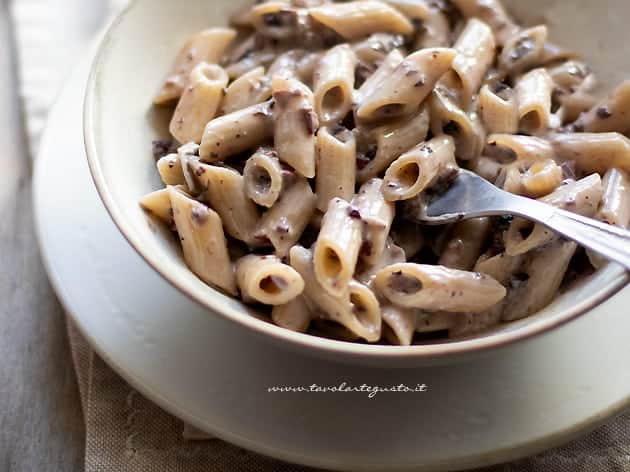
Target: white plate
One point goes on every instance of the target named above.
(513, 402)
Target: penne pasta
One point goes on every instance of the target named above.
(337, 247)
(207, 46)
(266, 279)
(294, 315)
(475, 49)
(409, 84)
(336, 165)
(170, 169)
(249, 89)
(612, 114)
(399, 324)
(420, 168)
(498, 109)
(199, 102)
(508, 148)
(465, 243)
(236, 132)
(427, 322)
(593, 152)
(355, 20)
(356, 307)
(447, 117)
(284, 223)
(380, 75)
(333, 84)
(295, 124)
(437, 288)
(377, 215)
(491, 12)
(203, 242)
(158, 203)
(392, 140)
(533, 91)
(225, 192)
(523, 51)
(263, 177)
(435, 31)
(538, 283)
(582, 197)
(615, 207)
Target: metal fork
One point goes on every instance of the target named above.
(471, 196)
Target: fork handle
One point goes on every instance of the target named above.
(610, 241)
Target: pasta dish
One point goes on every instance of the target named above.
(304, 135)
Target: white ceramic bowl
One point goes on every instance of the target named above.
(120, 124)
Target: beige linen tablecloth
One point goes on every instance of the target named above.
(125, 431)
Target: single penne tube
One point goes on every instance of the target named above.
(465, 243)
(501, 267)
(170, 169)
(263, 177)
(225, 192)
(188, 154)
(249, 89)
(435, 31)
(582, 197)
(207, 46)
(476, 50)
(294, 315)
(508, 148)
(337, 246)
(533, 91)
(199, 102)
(236, 132)
(284, 223)
(491, 12)
(466, 129)
(427, 322)
(286, 63)
(420, 168)
(356, 307)
(377, 215)
(333, 84)
(355, 20)
(539, 281)
(392, 140)
(498, 110)
(593, 152)
(267, 280)
(409, 84)
(372, 51)
(305, 67)
(522, 51)
(295, 124)
(611, 114)
(158, 203)
(399, 324)
(203, 242)
(277, 20)
(437, 288)
(541, 178)
(380, 75)
(615, 207)
(336, 165)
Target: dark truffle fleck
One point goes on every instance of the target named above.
(354, 213)
(162, 147)
(603, 113)
(420, 83)
(309, 118)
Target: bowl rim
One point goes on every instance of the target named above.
(314, 344)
